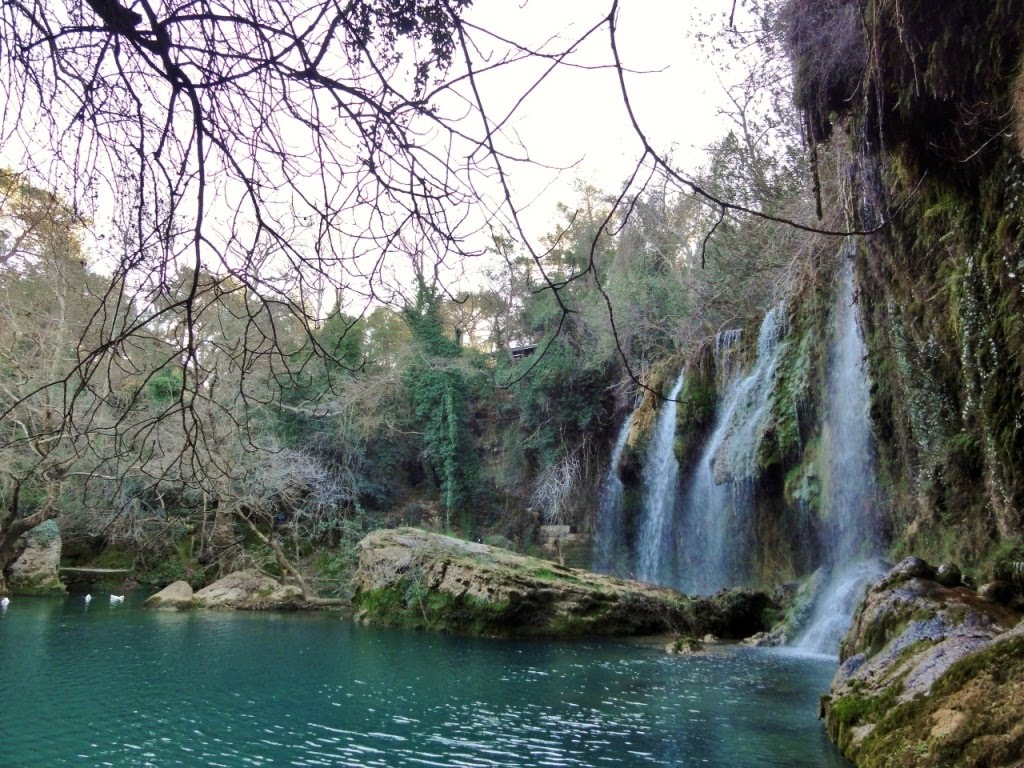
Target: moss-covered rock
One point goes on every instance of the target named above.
(929, 677)
(407, 577)
(36, 571)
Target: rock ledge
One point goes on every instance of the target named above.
(931, 675)
(408, 577)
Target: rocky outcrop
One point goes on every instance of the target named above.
(931, 675)
(409, 577)
(176, 596)
(36, 569)
(249, 590)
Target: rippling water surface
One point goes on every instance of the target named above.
(118, 686)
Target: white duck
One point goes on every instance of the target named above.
(116, 599)
(4, 602)
(88, 599)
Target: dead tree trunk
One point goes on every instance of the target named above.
(308, 595)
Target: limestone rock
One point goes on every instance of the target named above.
(923, 648)
(174, 596)
(249, 590)
(909, 568)
(772, 639)
(413, 578)
(36, 571)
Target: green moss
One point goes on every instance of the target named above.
(409, 606)
(547, 574)
(802, 485)
(114, 558)
(986, 690)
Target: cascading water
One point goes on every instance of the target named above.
(660, 482)
(852, 538)
(609, 550)
(717, 504)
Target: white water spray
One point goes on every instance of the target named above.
(609, 554)
(852, 539)
(717, 504)
(660, 483)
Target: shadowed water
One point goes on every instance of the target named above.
(119, 686)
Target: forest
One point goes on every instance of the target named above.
(268, 292)
(175, 419)
(183, 417)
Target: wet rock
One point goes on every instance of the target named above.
(771, 639)
(914, 639)
(36, 571)
(414, 578)
(249, 590)
(999, 592)
(685, 646)
(949, 575)
(909, 568)
(176, 596)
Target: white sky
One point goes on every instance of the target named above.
(575, 123)
(577, 117)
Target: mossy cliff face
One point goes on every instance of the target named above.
(929, 97)
(931, 675)
(412, 578)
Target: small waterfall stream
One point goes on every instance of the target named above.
(852, 539)
(655, 553)
(717, 503)
(609, 549)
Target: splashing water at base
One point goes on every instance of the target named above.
(835, 607)
(852, 538)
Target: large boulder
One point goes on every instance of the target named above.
(249, 590)
(930, 675)
(36, 571)
(409, 577)
(176, 596)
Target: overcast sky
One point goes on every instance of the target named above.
(574, 124)
(577, 117)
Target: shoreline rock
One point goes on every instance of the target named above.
(176, 596)
(248, 590)
(412, 578)
(930, 675)
(37, 569)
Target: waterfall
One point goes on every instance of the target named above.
(717, 502)
(852, 538)
(609, 552)
(660, 481)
